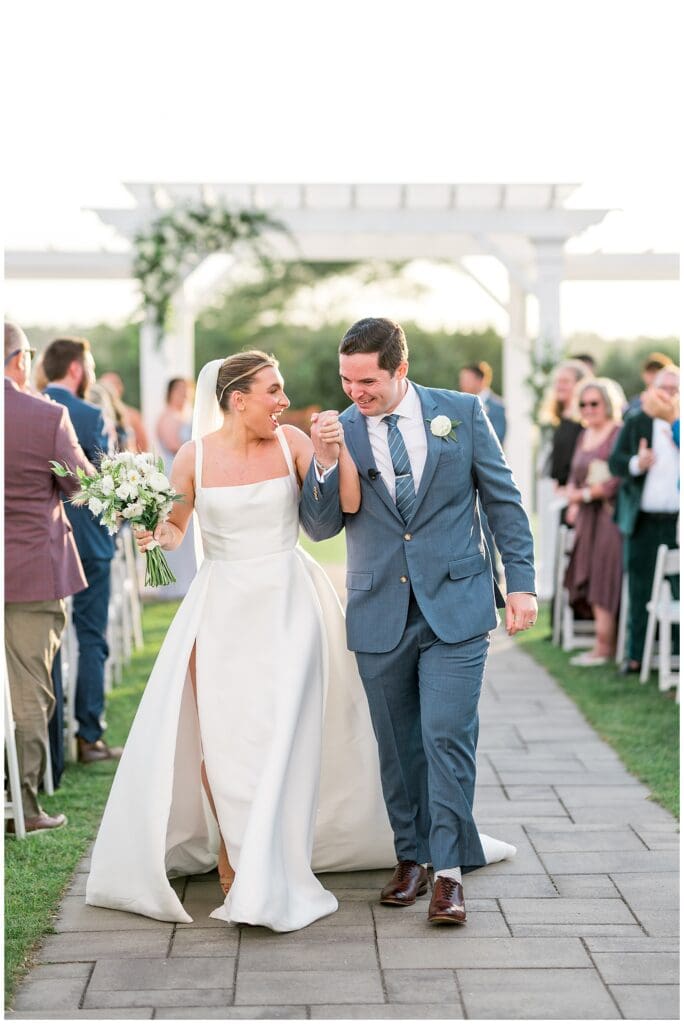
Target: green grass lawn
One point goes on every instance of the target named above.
(327, 552)
(640, 724)
(39, 868)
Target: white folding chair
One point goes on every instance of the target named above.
(621, 641)
(560, 564)
(69, 655)
(14, 809)
(116, 640)
(663, 611)
(132, 588)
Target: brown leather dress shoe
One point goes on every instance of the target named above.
(42, 823)
(88, 753)
(447, 905)
(409, 881)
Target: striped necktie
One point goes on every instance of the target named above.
(406, 494)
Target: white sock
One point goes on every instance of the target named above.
(454, 873)
(496, 849)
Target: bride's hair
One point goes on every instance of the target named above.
(236, 373)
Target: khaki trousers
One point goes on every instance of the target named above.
(33, 631)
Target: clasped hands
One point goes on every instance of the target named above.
(327, 436)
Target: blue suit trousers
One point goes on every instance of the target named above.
(423, 699)
(90, 608)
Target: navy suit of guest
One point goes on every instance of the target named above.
(96, 549)
(496, 412)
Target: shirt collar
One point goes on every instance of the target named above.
(408, 407)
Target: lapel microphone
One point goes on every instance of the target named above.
(373, 475)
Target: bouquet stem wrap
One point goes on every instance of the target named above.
(157, 572)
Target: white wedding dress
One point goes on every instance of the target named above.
(281, 720)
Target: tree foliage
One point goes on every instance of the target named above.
(263, 313)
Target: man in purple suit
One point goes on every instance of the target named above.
(42, 566)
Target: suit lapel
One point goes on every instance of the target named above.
(356, 437)
(434, 446)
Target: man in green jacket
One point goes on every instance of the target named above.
(647, 459)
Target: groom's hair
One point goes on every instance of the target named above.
(376, 334)
(60, 354)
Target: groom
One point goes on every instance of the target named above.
(421, 596)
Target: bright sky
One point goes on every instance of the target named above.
(365, 90)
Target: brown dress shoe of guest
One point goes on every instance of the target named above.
(88, 753)
(447, 905)
(42, 823)
(409, 881)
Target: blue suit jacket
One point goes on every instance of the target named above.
(441, 550)
(496, 411)
(92, 540)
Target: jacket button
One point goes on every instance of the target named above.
(403, 579)
(407, 536)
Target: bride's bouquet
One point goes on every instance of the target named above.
(131, 488)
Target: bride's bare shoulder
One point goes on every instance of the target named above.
(184, 460)
(296, 438)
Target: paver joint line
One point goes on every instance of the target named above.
(590, 954)
(85, 987)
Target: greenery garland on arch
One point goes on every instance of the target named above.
(182, 237)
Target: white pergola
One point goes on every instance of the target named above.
(526, 227)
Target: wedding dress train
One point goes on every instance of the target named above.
(281, 721)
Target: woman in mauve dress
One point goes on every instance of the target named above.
(594, 574)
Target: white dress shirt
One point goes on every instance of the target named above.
(660, 493)
(411, 424)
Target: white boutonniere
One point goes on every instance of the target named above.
(442, 426)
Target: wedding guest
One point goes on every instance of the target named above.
(650, 368)
(588, 361)
(99, 396)
(659, 404)
(136, 434)
(646, 458)
(594, 573)
(476, 379)
(173, 429)
(42, 566)
(559, 411)
(70, 368)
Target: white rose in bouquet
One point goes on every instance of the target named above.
(107, 485)
(123, 491)
(158, 482)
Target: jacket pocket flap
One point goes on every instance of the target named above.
(359, 580)
(470, 566)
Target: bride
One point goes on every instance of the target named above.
(252, 746)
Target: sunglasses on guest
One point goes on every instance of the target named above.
(590, 405)
(31, 352)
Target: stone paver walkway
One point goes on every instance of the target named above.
(582, 924)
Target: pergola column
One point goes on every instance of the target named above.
(550, 271)
(172, 355)
(550, 262)
(516, 370)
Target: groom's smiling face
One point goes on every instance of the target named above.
(374, 391)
